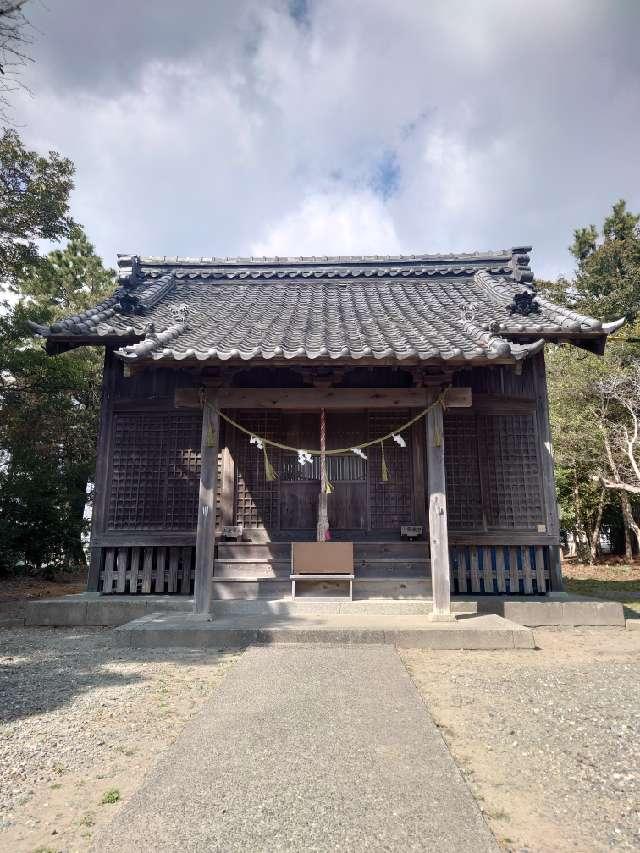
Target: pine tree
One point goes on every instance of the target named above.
(49, 410)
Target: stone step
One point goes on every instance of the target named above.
(412, 631)
(331, 606)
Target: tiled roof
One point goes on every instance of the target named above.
(452, 307)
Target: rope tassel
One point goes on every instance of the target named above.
(385, 470)
(269, 471)
(210, 436)
(328, 488)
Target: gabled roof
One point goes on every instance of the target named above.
(457, 308)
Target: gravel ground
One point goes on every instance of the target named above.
(80, 717)
(548, 739)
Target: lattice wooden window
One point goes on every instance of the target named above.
(346, 468)
(155, 471)
(256, 499)
(390, 503)
(464, 490)
(511, 470)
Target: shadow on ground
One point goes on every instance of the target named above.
(43, 675)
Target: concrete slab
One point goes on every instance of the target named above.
(633, 624)
(55, 612)
(302, 748)
(93, 609)
(408, 631)
(564, 611)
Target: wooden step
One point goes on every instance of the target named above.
(239, 568)
(393, 569)
(254, 551)
(390, 550)
(361, 550)
(250, 588)
(271, 588)
(396, 588)
(251, 569)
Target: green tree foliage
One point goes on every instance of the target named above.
(49, 409)
(607, 283)
(34, 204)
(607, 286)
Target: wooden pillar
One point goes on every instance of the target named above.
(437, 509)
(205, 536)
(548, 475)
(323, 514)
(110, 375)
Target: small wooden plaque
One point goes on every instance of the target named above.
(458, 398)
(322, 558)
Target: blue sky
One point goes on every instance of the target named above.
(334, 127)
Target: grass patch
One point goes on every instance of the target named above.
(110, 797)
(617, 588)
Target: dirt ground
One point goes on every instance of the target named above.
(28, 589)
(548, 739)
(81, 721)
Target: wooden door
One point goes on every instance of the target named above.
(300, 488)
(347, 503)
(347, 473)
(299, 485)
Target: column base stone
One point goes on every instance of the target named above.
(442, 617)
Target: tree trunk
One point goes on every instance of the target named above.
(581, 533)
(595, 533)
(631, 529)
(75, 552)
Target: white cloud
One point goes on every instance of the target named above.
(337, 224)
(236, 129)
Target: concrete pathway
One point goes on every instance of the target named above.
(306, 748)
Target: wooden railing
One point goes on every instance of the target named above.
(500, 569)
(475, 569)
(149, 569)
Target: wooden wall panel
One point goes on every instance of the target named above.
(154, 471)
(494, 473)
(511, 471)
(462, 464)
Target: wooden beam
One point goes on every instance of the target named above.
(205, 535)
(316, 398)
(437, 496)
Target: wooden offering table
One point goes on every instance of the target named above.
(318, 561)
